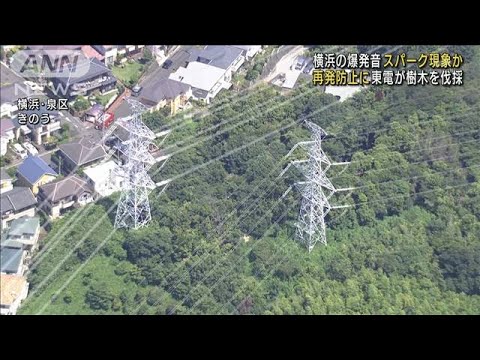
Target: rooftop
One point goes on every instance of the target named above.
(70, 186)
(17, 199)
(83, 151)
(221, 56)
(101, 172)
(164, 89)
(24, 226)
(199, 75)
(94, 67)
(4, 175)
(10, 260)
(6, 125)
(7, 76)
(33, 168)
(11, 288)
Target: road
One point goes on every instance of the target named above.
(283, 66)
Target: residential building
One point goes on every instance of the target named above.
(94, 113)
(22, 234)
(111, 52)
(13, 290)
(166, 92)
(34, 172)
(64, 194)
(92, 75)
(206, 80)
(7, 129)
(12, 260)
(78, 153)
(16, 203)
(105, 178)
(249, 51)
(38, 132)
(225, 57)
(5, 181)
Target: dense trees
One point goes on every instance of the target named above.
(221, 242)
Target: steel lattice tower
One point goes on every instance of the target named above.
(316, 190)
(133, 210)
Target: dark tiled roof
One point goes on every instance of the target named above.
(221, 56)
(83, 151)
(69, 186)
(33, 168)
(10, 259)
(18, 198)
(165, 89)
(94, 67)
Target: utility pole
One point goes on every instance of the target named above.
(133, 210)
(316, 190)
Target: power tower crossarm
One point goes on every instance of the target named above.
(133, 210)
(316, 190)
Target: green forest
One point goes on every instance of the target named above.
(222, 239)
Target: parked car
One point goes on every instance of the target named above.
(30, 148)
(167, 64)
(136, 90)
(308, 69)
(20, 151)
(33, 86)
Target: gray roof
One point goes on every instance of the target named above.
(94, 67)
(164, 89)
(4, 175)
(221, 56)
(11, 93)
(11, 243)
(83, 151)
(17, 199)
(10, 260)
(70, 186)
(8, 77)
(24, 226)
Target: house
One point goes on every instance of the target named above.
(105, 178)
(91, 53)
(5, 181)
(38, 132)
(166, 92)
(90, 75)
(94, 113)
(228, 58)
(22, 234)
(64, 194)
(7, 129)
(111, 52)
(249, 51)
(16, 203)
(78, 153)
(13, 290)
(12, 260)
(206, 80)
(34, 172)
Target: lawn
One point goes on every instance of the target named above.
(128, 73)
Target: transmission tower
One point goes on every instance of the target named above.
(133, 210)
(316, 190)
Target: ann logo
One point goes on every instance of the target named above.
(45, 63)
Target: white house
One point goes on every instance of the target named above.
(206, 80)
(3, 145)
(249, 51)
(14, 290)
(104, 178)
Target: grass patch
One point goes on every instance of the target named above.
(128, 73)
